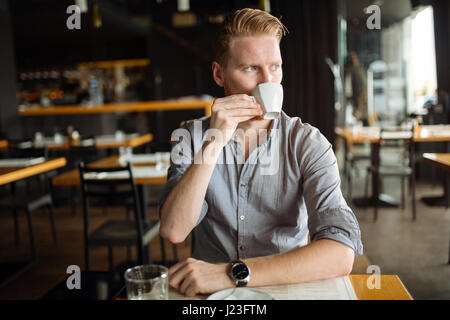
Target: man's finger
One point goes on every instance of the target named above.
(173, 269)
(185, 284)
(241, 112)
(176, 278)
(235, 105)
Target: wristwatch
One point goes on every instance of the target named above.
(240, 273)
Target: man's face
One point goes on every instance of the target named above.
(251, 61)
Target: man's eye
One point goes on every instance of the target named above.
(250, 68)
(275, 67)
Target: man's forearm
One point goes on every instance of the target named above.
(183, 205)
(322, 259)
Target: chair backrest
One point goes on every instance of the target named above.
(396, 134)
(397, 137)
(82, 153)
(112, 186)
(25, 149)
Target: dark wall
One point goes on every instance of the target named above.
(442, 42)
(308, 82)
(41, 38)
(9, 119)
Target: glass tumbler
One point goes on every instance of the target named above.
(147, 282)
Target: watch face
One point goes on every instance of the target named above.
(240, 271)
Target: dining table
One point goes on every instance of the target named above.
(148, 169)
(145, 169)
(108, 141)
(3, 144)
(390, 288)
(12, 170)
(420, 134)
(139, 106)
(97, 285)
(442, 161)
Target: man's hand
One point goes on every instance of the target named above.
(228, 112)
(192, 277)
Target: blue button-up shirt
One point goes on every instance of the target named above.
(288, 187)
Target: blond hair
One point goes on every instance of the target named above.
(245, 22)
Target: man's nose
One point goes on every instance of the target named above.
(266, 76)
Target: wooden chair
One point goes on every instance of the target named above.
(354, 154)
(32, 199)
(77, 154)
(402, 168)
(96, 189)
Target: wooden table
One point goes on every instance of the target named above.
(3, 144)
(441, 160)
(72, 177)
(146, 106)
(425, 133)
(391, 288)
(10, 270)
(101, 142)
(132, 142)
(11, 174)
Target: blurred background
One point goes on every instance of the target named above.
(157, 50)
(346, 64)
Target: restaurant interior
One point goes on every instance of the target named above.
(107, 82)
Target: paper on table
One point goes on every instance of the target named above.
(138, 172)
(331, 289)
(22, 162)
(146, 158)
(111, 138)
(397, 135)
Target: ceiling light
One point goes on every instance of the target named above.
(183, 5)
(83, 5)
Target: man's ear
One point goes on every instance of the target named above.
(218, 73)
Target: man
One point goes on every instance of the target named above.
(252, 228)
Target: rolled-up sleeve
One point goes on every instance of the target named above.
(180, 160)
(337, 224)
(329, 216)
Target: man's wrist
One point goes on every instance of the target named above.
(239, 273)
(211, 151)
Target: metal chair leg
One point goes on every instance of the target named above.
(403, 192)
(449, 252)
(53, 225)
(86, 258)
(366, 188)
(110, 258)
(16, 226)
(349, 184)
(31, 234)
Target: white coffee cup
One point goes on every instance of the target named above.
(270, 96)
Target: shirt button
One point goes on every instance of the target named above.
(242, 217)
